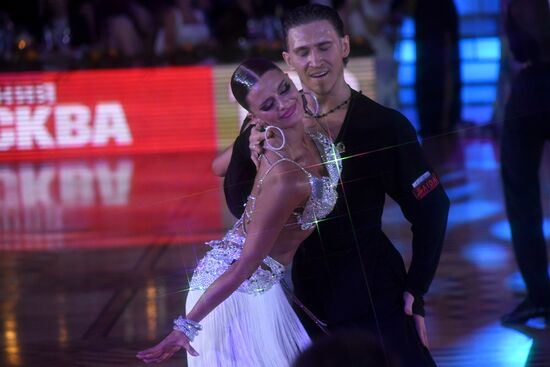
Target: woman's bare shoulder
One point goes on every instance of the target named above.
(282, 175)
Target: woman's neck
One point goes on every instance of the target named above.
(294, 136)
(295, 140)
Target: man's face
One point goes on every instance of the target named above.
(316, 53)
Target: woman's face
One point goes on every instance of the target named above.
(275, 100)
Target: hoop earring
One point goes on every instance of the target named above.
(315, 106)
(267, 141)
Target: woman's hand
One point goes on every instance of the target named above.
(257, 136)
(166, 348)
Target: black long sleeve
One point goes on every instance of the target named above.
(425, 206)
(240, 174)
(334, 271)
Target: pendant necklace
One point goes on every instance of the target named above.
(321, 115)
(339, 146)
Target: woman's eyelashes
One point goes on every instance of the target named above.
(285, 87)
(267, 106)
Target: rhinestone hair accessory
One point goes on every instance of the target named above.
(246, 78)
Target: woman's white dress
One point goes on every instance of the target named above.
(256, 326)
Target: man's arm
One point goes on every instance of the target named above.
(256, 137)
(240, 174)
(416, 188)
(221, 162)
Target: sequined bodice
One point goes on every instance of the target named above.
(226, 251)
(323, 189)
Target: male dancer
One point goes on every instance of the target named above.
(348, 273)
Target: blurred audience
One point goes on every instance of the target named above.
(437, 82)
(370, 22)
(77, 34)
(184, 25)
(437, 66)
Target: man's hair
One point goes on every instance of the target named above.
(247, 75)
(306, 14)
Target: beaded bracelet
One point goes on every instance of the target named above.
(189, 327)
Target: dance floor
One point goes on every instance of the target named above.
(95, 256)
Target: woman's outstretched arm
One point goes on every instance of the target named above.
(284, 189)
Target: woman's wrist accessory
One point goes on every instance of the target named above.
(189, 327)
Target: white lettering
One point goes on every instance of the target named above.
(9, 204)
(115, 185)
(32, 186)
(6, 95)
(35, 187)
(76, 185)
(24, 94)
(34, 197)
(110, 122)
(7, 135)
(8, 188)
(45, 93)
(32, 128)
(72, 125)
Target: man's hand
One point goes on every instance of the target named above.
(419, 321)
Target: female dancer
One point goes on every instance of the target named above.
(235, 295)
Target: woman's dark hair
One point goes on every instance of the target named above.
(306, 14)
(247, 75)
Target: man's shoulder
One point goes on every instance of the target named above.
(365, 109)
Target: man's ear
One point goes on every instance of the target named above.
(287, 58)
(345, 46)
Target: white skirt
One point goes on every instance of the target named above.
(249, 330)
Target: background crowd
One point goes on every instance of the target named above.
(77, 34)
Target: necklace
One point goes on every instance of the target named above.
(340, 147)
(318, 116)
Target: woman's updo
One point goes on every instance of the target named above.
(247, 75)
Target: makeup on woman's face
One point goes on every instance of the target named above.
(275, 99)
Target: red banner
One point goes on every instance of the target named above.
(157, 110)
(109, 202)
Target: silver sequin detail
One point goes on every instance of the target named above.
(226, 251)
(323, 189)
